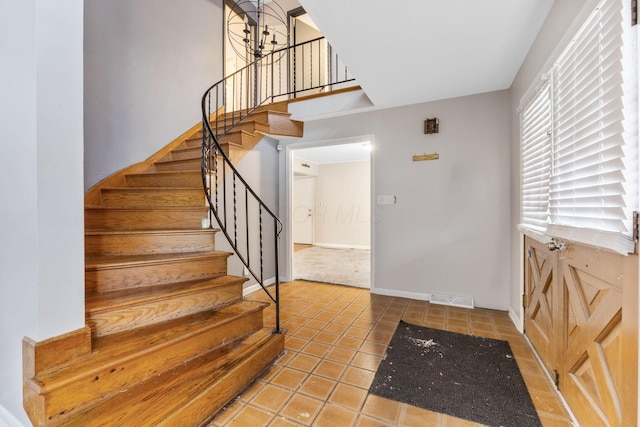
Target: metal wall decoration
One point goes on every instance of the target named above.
(432, 125)
(423, 157)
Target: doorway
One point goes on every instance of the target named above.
(303, 207)
(331, 214)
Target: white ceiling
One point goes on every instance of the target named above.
(423, 50)
(357, 152)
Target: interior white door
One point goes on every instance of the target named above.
(303, 202)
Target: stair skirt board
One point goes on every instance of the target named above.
(191, 393)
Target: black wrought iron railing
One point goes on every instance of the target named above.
(249, 225)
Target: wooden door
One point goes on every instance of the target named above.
(540, 301)
(581, 316)
(303, 204)
(597, 356)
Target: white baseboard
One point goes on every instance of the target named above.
(256, 287)
(401, 294)
(517, 321)
(7, 419)
(341, 246)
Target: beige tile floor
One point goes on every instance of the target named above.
(337, 335)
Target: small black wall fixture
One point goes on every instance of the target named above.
(432, 125)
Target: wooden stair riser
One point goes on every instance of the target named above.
(237, 137)
(148, 402)
(186, 153)
(247, 125)
(279, 123)
(196, 153)
(109, 379)
(241, 138)
(165, 179)
(148, 242)
(119, 319)
(152, 197)
(199, 409)
(233, 152)
(194, 164)
(144, 219)
(196, 141)
(107, 278)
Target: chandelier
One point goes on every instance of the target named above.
(256, 29)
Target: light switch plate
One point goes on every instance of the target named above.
(386, 199)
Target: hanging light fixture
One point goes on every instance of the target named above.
(256, 29)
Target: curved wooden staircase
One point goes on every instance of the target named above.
(169, 338)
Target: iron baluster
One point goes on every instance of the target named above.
(235, 213)
(261, 252)
(276, 233)
(246, 222)
(215, 173)
(224, 190)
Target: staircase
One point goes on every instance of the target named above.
(169, 339)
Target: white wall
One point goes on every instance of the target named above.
(450, 229)
(561, 23)
(147, 64)
(41, 217)
(343, 205)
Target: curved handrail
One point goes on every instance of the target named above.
(224, 105)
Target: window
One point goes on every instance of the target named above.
(535, 164)
(579, 139)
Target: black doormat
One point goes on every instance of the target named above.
(465, 376)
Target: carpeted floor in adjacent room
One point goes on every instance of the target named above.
(351, 267)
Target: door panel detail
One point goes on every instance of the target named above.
(575, 322)
(540, 290)
(591, 368)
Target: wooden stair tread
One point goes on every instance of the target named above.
(178, 161)
(147, 208)
(152, 189)
(109, 300)
(111, 350)
(269, 112)
(149, 402)
(162, 173)
(107, 231)
(114, 261)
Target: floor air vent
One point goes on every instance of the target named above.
(453, 300)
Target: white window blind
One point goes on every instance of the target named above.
(535, 161)
(593, 148)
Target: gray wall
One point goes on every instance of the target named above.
(449, 231)
(259, 167)
(41, 214)
(147, 63)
